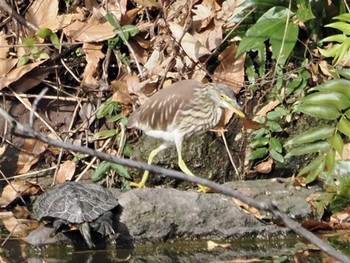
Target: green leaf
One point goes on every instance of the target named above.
(337, 143)
(55, 40)
(342, 26)
(275, 145)
(263, 29)
(43, 55)
(318, 161)
(23, 60)
(337, 85)
(259, 142)
(330, 161)
(130, 30)
(347, 113)
(261, 59)
(258, 153)
(304, 13)
(315, 147)
(344, 126)
(314, 134)
(30, 42)
(115, 118)
(101, 171)
(121, 170)
(44, 32)
(319, 111)
(330, 52)
(105, 134)
(276, 156)
(286, 41)
(344, 72)
(277, 113)
(343, 17)
(330, 98)
(314, 174)
(274, 126)
(335, 38)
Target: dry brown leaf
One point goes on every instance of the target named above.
(248, 209)
(345, 153)
(264, 167)
(252, 125)
(44, 14)
(230, 69)
(17, 73)
(203, 14)
(30, 155)
(93, 55)
(19, 227)
(314, 225)
(328, 69)
(5, 48)
(193, 48)
(267, 108)
(17, 188)
(65, 172)
(129, 17)
(211, 37)
(211, 245)
(148, 3)
(121, 93)
(93, 30)
(140, 53)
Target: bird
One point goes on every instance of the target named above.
(181, 110)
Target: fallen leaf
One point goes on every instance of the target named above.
(19, 227)
(248, 209)
(65, 172)
(29, 155)
(121, 93)
(252, 125)
(314, 225)
(264, 167)
(267, 108)
(231, 69)
(93, 55)
(16, 189)
(192, 47)
(44, 14)
(17, 73)
(211, 245)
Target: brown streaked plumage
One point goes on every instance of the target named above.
(181, 110)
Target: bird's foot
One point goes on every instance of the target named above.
(202, 189)
(137, 185)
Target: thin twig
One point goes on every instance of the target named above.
(8, 9)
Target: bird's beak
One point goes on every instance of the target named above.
(233, 105)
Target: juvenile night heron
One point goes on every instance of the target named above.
(179, 111)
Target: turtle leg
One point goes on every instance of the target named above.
(84, 229)
(57, 225)
(104, 224)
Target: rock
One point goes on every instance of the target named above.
(152, 215)
(158, 214)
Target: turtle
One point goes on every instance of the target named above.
(84, 205)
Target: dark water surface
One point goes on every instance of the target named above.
(194, 251)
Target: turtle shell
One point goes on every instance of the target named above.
(74, 202)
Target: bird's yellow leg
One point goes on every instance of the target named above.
(184, 168)
(151, 156)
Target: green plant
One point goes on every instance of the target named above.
(340, 50)
(112, 111)
(329, 102)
